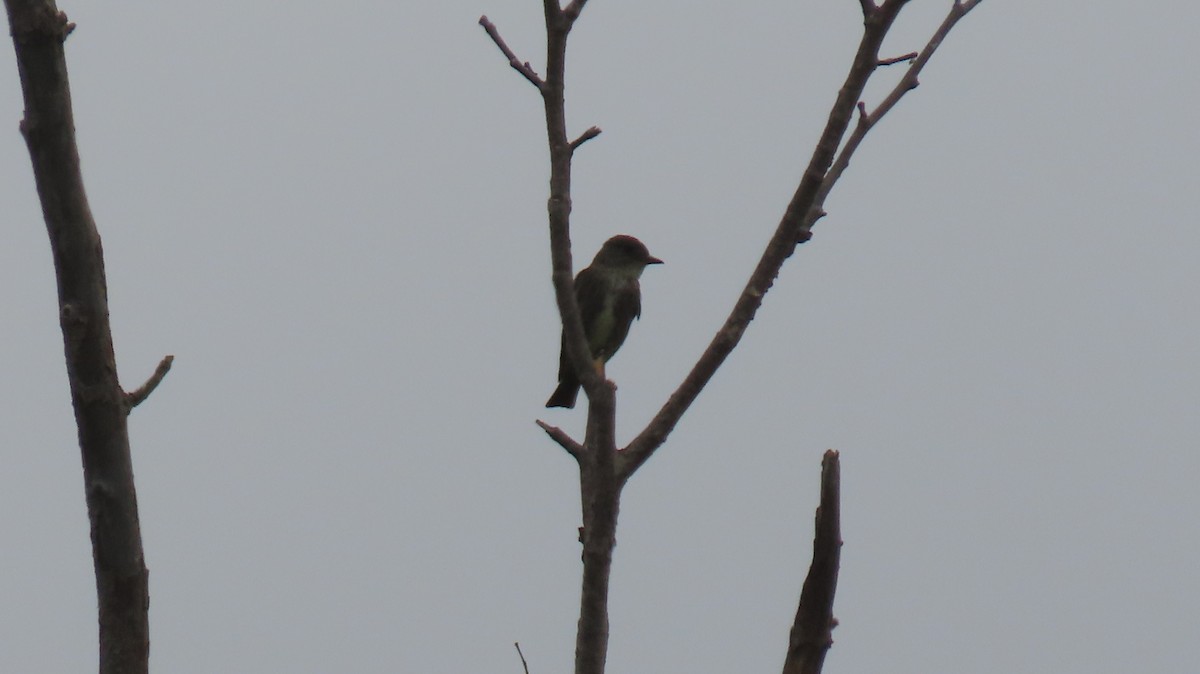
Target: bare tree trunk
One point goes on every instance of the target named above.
(101, 406)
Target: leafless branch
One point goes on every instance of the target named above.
(907, 83)
(560, 436)
(787, 234)
(600, 493)
(558, 26)
(812, 630)
(804, 209)
(585, 137)
(101, 412)
(524, 665)
(604, 470)
(517, 64)
(599, 487)
(137, 396)
(898, 59)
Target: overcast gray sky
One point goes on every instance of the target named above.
(333, 215)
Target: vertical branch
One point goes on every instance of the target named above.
(38, 30)
(558, 206)
(601, 493)
(600, 487)
(812, 631)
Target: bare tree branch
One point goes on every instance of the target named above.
(522, 67)
(779, 248)
(812, 631)
(584, 137)
(599, 486)
(604, 470)
(524, 665)
(600, 493)
(137, 396)
(898, 59)
(101, 410)
(565, 441)
(558, 27)
(907, 83)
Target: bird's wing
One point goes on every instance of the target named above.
(628, 306)
(589, 294)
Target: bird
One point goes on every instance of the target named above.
(609, 298)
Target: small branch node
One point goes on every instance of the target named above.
(139, 395)
(522, 67)
(585, 137)
(864, 117)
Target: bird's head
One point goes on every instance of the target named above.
(626, 253)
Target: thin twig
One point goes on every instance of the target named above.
(898, 59)
(585, 137)
(138, 395)
(560, 436)
(523, 663)
(866, 120)
(517, 64)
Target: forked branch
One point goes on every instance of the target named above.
(804, 209)
(908, 82)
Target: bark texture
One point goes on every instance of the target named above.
(101, 406)
(812, 631)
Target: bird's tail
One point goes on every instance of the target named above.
(565, 394)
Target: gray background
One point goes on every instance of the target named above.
(333, 214)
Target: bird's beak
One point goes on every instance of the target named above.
(653, 260)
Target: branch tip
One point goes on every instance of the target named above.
(524, 665)
(560, 436)
(524, 68)
(910, 57)
(139, 395)
(812, 631)
(585, 137)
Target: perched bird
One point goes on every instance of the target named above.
(609, 299)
